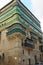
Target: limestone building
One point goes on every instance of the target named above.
(41, 50)
(20, 34)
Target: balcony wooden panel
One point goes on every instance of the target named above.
(28, 43)
(41, 48)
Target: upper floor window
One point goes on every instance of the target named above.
(33, 37)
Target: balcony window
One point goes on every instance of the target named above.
(3, 56)
(28, 43)
(33, 37)
(23, 51)
(40, 40)
(41, 48)
(16, 28)
(0, 34)
(17, 25)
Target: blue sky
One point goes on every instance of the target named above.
(27, 3)
(35, 6)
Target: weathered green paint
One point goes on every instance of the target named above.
(16, 30)
(28, 19)
(16, 9)
(9, 22)
(31, 27)
(16, 25)
(21, 20)
(8, 14)
(35, 31)
(16, 14)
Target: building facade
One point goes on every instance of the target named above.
(20, 34)
(41, 50)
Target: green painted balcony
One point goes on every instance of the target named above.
(35, 31)
(16, 25)
(40, 40)
(33, 38)
(28, 19)
(27, 25)
(41, 48)
(16, 28)
(17, 10)
(28, 43)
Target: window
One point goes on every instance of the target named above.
(33, 37)
(29, 52)
(35, 59)
(0, 57)
(29, 62)
(23, 51)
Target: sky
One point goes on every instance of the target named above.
(35, 6)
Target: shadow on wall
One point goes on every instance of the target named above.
(10, 61)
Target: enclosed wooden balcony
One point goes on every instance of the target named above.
(41, 48)
(28, 43)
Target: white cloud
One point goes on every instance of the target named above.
(38, 7)
(3, 3)
(38, 10)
